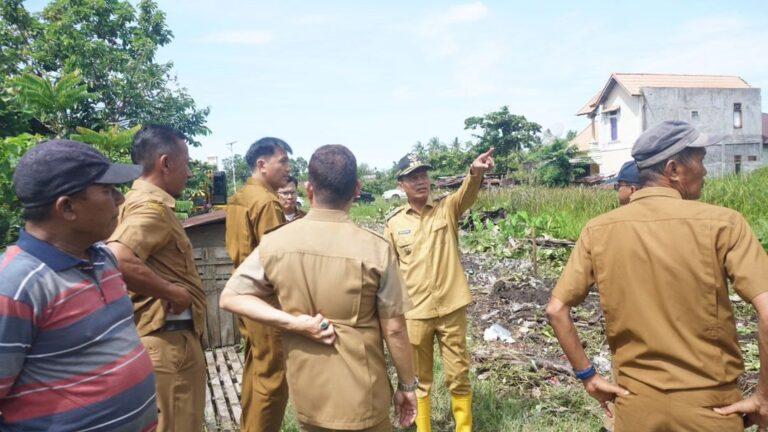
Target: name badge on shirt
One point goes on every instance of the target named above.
(404, 232)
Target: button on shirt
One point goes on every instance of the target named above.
(323, 263)
(662, 266)
(70, 357)
(149, 227)
(427, 247)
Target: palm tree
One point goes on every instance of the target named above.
(51, 103)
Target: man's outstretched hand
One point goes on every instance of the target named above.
(483, 163)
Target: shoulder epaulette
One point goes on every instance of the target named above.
(393, 212)
(374, 233)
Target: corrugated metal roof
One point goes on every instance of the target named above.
(632, 83)
(205, 219)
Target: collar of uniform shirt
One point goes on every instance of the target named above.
(163, 196)
(429, 204)
(257, 182)
(327, 215)
(655, 191)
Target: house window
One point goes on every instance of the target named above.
(752, 158)
(737, 164)
(614, 128)
(694, 115)
(737, 116)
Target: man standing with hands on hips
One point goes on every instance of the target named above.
(424, 234)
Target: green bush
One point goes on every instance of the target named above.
(11, 150)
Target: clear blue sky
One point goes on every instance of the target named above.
(378, 77)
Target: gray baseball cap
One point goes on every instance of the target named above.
(667, 139)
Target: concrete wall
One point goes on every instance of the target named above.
(715, 116)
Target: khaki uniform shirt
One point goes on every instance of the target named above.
(427, 247)
(323, 263)
(148, 226)
(662, 266)
(251, 212)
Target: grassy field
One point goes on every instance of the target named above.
(511, 398)
(572, 207)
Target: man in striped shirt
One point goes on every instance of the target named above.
(70, 357)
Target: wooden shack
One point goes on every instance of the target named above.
(206, 232)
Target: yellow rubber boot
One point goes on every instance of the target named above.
(423, 414)
(462, 412)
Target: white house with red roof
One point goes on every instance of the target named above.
(628, 104)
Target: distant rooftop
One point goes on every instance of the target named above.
(632, 83)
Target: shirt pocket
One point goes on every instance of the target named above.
(405, 248)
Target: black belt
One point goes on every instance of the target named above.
(176, 325)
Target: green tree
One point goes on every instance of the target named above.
(299, 168)
(242, 172)
(113, 44)
(51, 103)
(11, 150)
(510, 134)
(114, 141)
(555, 163)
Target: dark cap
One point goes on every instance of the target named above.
(629, 173)
(410, 163)
(62, 167)
(667, 139)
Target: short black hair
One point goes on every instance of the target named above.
(685, 157)
(333, 174)
(37, 214)
(265, 147)
(292, 179)
(153, 140)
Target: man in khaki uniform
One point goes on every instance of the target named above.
(340, 292)
(424, 233)
(155, 257)
(251, 212)
(671, 331)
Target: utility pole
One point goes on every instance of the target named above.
(232, 162)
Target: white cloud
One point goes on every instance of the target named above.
(239, 37)
(464, 13)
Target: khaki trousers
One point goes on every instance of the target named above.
(451, 333)
(179, 365)
(385, 426)
(652, 410)
(265, 390)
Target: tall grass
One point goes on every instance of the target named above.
(574, 206)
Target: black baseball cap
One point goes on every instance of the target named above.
(410, 163)
(61, 167)
(629, 173)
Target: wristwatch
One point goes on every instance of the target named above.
(586, 373)
(408, 387)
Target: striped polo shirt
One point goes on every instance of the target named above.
(70, 357)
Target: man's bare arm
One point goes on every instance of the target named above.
(756, 406)
(396, 336)
(142, 280)
(253, 307)
(560, 319)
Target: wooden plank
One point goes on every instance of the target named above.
(219, 400)
(229, 388)
(211, 425)
(237, 368)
